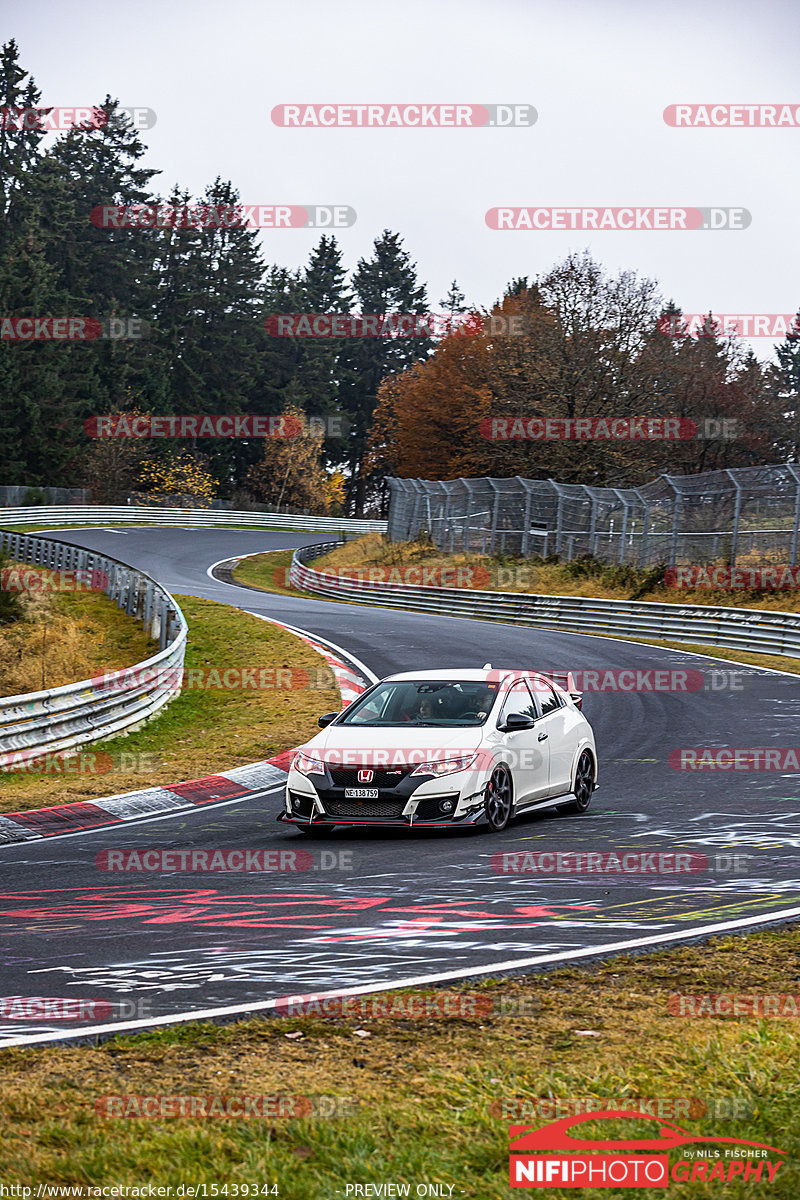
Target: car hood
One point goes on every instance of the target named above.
(351, 745)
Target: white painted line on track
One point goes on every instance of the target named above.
(544, 629)
(121, 826)
(370, 675)
(232, 1010)
(347, 654)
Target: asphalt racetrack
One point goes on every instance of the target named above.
(379, 907)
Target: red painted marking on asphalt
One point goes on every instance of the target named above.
(207, 788)
(283, 761)
(62, 818)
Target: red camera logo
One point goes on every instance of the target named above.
(587, 1161)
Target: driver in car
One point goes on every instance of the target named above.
(427, 709)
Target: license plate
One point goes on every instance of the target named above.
(361, 793)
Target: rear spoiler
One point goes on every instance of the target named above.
(566, 681)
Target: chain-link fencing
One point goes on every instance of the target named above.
(742, 516)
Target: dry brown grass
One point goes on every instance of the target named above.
(64, 638)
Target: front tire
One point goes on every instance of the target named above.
(584, 786)
(499, 800)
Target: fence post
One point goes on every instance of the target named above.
(736, 514)
(467, 514)
(624, 531)
(677, 510)
(559, 514)
(796, 528)
(526, 527)
(495, 514)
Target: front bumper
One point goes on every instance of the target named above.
(475, 818)
(405, 805)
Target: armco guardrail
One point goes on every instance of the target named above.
(763, 631)
(63, 718)
(91, 514)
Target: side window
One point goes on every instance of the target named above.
(548, 700)
(518, 700)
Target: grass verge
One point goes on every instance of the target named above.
(269, 572)
(63, 637)
(420, 1099)
(208, 728)
(581, 577)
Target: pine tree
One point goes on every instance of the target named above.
(321, 364)
(386, 283)
(453, 302)
(784, 386)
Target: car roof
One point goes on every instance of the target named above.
(462, 674)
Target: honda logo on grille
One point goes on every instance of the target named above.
(366, 776)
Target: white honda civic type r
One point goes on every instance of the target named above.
(446, 748)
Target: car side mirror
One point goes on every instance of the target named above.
(326, 719)
(516, 721)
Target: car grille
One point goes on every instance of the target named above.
(364, 808)
(383, 777)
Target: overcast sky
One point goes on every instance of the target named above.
(598, 72)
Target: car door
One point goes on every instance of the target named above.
(527, 753)
(555, 723)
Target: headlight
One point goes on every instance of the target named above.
(307, 765)
(445, 766)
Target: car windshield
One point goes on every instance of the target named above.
(440, 702)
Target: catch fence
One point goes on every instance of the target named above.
(742, 516)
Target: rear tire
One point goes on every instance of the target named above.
(584, 786)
